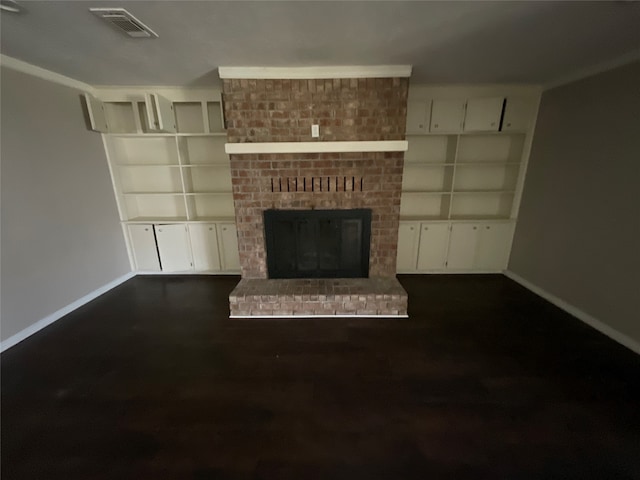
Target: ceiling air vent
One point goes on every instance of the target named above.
(124, 21)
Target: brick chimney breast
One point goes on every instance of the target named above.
(346, 109)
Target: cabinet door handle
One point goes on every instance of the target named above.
(475, 228)
(411, 228)
(210, 228)
(435, 125)
(488, 227)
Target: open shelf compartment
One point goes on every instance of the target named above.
(432, 178)
(146, 179)
(428, 206)
(202, 150)
(485, 177)
(431, 149)
(480, 148)
(159, 207)
(143, 150)
(481, 205)
(206, 206)
(207, 179)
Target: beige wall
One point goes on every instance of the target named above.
(578, 233)
(61, 237)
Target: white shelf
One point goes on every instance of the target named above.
(152, 194)
(420, 218)
(475, 218)
(147, 165)
(208, 165)
(221, 192)
(482, 192)
(428, 165)
(218, 219)
(426, 192)
(155, 219)
(497, 163)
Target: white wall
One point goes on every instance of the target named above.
(578, 231)
(61, 237)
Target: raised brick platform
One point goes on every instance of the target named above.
(328, 297)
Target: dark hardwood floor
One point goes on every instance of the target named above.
(484, 381)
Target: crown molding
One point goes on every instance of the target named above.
(316, 147)
(353, 71)
(629, 57)
(43, 73)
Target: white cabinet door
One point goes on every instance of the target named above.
(204, 247)
(494, 241)
(418, 116)
(408, 235)
(462, 246)
(432, 252)
(173, 247)
(483, 114)
(518, 114)
(95, 111)
(160, 113)
(447, 115)
(143, 245)
(228, 244)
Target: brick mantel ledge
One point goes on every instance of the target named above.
(317, 147)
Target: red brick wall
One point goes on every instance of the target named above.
(345, 109)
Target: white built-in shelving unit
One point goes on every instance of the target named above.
(171, 177)
(463, 176)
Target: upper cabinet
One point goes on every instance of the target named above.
(483, 114)
(471, 115)
(143, 113)
(418, 116)
(447, 116)
(160, 116)
(518, 114)
(96, 115)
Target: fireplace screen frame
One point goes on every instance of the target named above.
(311, 220)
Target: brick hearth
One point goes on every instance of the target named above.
(318, 297)
(346, 110)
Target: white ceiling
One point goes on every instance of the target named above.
(446, 42)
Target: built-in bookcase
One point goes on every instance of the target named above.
(461, 176)
(176, 176)
(171, 178)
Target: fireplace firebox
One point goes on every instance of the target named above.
(318, 243)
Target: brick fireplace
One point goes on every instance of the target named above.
(262, 111)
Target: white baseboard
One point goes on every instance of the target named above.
(49, 319)
(590, 320)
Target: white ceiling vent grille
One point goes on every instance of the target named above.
(124, 21)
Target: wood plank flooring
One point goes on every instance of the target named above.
(483, 381)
